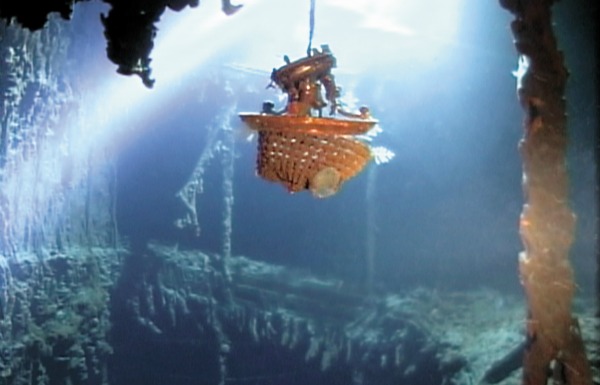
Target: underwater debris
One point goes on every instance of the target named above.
(298, 147)
(318, 327)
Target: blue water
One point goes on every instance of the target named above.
(447, 205)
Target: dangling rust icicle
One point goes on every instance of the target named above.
(555, 349)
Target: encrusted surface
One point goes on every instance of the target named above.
(208, 319)
(307, 124)
(54, 317)
(555, 351)
(268, 322)
(294, 159)
(45, 200)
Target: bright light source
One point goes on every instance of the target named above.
(365, 35)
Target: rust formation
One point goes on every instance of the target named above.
(297, 146)
(555, 352)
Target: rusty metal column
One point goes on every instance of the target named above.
(555, 352)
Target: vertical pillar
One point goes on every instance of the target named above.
(555, 349)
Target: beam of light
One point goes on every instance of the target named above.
(258, 36)
(189, 40)
(186, 42)
(194, 36)
(107, 110)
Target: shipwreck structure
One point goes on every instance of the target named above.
(80, 306)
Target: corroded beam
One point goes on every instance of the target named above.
(555, 350)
